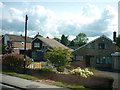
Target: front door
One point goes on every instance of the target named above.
(88, 57)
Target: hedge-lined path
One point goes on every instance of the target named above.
(26, 84)
(116, 76)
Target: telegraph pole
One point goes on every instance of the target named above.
(26, 18)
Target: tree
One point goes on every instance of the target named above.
(57, 39)
(4, 48)
(80, 39)
(64, 40)
(118, 40)
(59, 57)
(72, 43)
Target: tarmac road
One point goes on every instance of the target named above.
(7, 87)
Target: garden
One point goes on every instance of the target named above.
(57, 70)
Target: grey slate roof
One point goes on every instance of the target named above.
(17, 38)
(51, 42)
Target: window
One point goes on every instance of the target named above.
(103, 60)
(36, 44)
(103, 46)
(79, 58)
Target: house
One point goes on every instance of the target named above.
(40, 46)
(15, 43)
(96, 53)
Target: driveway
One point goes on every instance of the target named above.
(116, 76)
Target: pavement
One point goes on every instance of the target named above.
(26, 84)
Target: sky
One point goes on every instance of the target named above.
(54, 18)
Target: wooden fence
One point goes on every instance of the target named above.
(35, 66)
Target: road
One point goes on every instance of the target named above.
(7, 87)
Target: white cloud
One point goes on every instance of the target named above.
(43, 20)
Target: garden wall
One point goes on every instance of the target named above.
(94, 81)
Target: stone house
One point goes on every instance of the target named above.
(40, 46)
(96, 53)
(16, 43)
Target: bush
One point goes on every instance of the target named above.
(81, 72)
(59, 57)
(46, 69)
(15, 60)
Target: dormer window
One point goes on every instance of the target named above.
(36, 44)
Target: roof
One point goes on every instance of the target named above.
(103, 36)
(51, 42)
(18, 38)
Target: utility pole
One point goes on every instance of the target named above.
(26, 18)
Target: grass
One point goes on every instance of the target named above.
(72, 86)
(25, 76)
(35, 62)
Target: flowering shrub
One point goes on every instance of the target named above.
(15, 60)
(81, 72)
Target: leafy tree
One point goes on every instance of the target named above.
(118, 40)
(3, 47)
(80, 39)
(64, 40)
(59, 57)
(72, 43)
(57, 39)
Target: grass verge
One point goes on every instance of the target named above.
(71, 86)
(25, 76)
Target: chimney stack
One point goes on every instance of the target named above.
(114, 36)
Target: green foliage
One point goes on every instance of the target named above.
(80, 39)
(46, 69)
(81, 72)
(25, 76)
(15, 60)
(57, 39)
(118, 40)
(59, 56)
(64, 40)
(72, 43)
(93, 70)
(117, 49)
(3, 46)
(67, 85)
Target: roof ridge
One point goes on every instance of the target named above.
(93, 41)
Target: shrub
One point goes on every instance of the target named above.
(59, 57)
(15, 60)
(46, 69)
(81, 72)
(93, 70)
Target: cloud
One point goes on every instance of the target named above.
(89, 20)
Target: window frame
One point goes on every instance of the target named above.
(36, 44)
